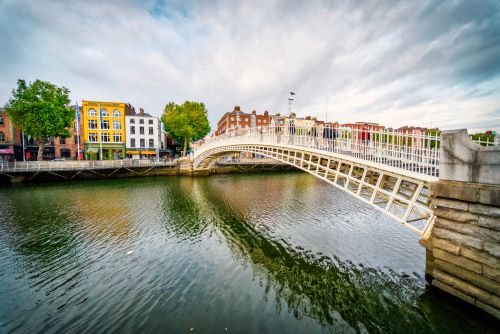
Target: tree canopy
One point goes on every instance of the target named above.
(186, 122)
(40, 109)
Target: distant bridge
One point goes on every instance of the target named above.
(389, 170)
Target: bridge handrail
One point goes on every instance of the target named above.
(414, 151)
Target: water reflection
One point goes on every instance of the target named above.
(254, 253)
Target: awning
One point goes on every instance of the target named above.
(6, 151)
(141, 152)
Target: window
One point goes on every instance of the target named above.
(151, 143)
(76, 140)
(151, 130)
(105, 137)
(141, 130)
(92, 124)
(2, 137)
(150, 121)
(258, 121)
(105, 125)
(143, 142)
(91, 112)
(62, 141)
(141, 121)
(132, 130)
(1, 120)
(117, 125)
(132, 121)
(264, 121)
(132, 142)
(92, 137)
(104, 112)
(117, 137)
(117, 113)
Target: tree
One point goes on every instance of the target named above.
(40, 109)
(186, 122)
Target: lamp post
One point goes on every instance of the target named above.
(291, 98)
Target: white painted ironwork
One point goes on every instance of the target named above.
(33, 166)
(389, 170)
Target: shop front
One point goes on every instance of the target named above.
(6, 154)
(109, 152)
(141, 154)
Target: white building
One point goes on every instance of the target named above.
(143, 135)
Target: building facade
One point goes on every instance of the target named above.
(237, 119)
(7, 137)
(143, 135)
(103, 129)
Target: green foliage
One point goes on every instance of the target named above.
(186, 122)
(485, 139)
(40, 109)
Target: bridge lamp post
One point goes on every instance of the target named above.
(291, 98)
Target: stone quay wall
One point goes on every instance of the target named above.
(463, 250)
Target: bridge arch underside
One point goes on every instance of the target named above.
(404, 198)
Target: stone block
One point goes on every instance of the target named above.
(464, 160)
(489, 235)
(456, 215)
(458, 238)
(469, 276)
(487, 308)
(463, 191)
(488, 194)
(452, 291)
(451, 225)
(485, 210)
(480, 256)
(446, 246)
(429, 262)
(491, 273)
(489, 222)
(451, 204)
(460, 261)
(462, 286)
(492, 248)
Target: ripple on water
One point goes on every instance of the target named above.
(252, 253)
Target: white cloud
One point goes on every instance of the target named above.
(393, 63)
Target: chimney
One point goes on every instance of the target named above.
(266, 113)
(141, 112)
(237, 108)
(254, 112)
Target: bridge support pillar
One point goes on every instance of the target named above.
(463, 250)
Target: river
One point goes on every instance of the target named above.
(253, 253)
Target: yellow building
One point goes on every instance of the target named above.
(104, 130)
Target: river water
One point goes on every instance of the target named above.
(255, 253)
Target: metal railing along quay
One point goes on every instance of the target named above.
(34, 166)
(414, 152)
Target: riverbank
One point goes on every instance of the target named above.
(95, 170)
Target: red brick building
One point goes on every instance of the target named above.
(237, 119)
(364, 126)
(7, 137)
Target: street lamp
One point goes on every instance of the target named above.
(291, 97)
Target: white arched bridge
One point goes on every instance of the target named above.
(389, 170)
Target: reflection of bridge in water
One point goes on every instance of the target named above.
(389, 170)
(422, 181)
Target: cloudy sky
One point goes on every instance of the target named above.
(426, 63)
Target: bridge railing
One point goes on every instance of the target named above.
(34, 166)
(413, 151)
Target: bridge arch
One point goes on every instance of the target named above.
(402, 195)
